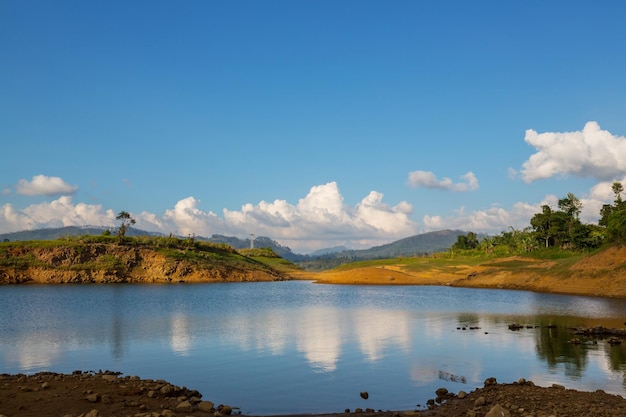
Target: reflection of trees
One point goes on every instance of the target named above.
(117, 339)
(468, 319)
(617, 360)
(554, 347)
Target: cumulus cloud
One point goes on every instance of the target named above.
(428, 179)
(591, 152)
(320, 219)
(43, 185)
(57, 213)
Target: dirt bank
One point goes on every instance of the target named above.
(602, 274)
(110, 263)
(105, 394)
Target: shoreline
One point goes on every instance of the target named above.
(103, 394)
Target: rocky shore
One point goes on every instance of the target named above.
(105, 394)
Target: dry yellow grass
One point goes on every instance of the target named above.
(602, 274)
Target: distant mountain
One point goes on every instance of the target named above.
(61, 232)
(417, 245)
(327, 251)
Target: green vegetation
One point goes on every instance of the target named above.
(553, 233)
(23, 254)
(126, 222)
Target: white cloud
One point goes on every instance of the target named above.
(57, 213)
(591, 152)
(428, 179)
(43, 185)
(320, 219)
(492, 220)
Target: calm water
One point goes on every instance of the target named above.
(297, 347)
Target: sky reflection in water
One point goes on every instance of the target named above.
(276, 348)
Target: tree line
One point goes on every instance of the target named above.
(558, 228)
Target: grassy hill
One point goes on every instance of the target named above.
(137, 259)
(598, 273)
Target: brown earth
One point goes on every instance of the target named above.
(602, 275)
(106, 394)
(85, 264)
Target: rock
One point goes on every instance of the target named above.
(364, 395)
(558, 386)
(45, 385)
(358, 410)
(498, 411)
(490, 381)
(225, 409)
(167, 389)
(109, 377)
(462, 395)
(93, 398)
(480, 401)
(93, 413)
(521, 381)
(441, 392)
(184, 407)
(206, 406)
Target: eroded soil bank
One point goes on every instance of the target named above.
(599, 275)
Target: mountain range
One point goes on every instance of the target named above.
(416, 245)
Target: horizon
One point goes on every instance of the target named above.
(320, 124)
(243, 239)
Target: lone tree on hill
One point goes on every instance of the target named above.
(127, 221)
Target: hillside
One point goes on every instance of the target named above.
(600, 273)
(99, 259)
(426, 243)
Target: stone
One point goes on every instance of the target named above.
(225, 409)
(480, 401)
(109, 377)
(462, 395)
(441, 392)
(167, 389)
(93, 398)
(93, 413)
(184, 407)
(45, 385)
(498, 411)
(490, 381)
(206, 406)
(364, 395)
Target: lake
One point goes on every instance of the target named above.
(299, 347)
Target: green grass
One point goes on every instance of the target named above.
(202, 254)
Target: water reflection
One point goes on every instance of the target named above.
(283, 340)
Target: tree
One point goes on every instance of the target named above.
(571, 205)
(469, 241)
(613, 217)
(542, 223)
(126, 222)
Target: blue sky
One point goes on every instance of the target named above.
(315, 123)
